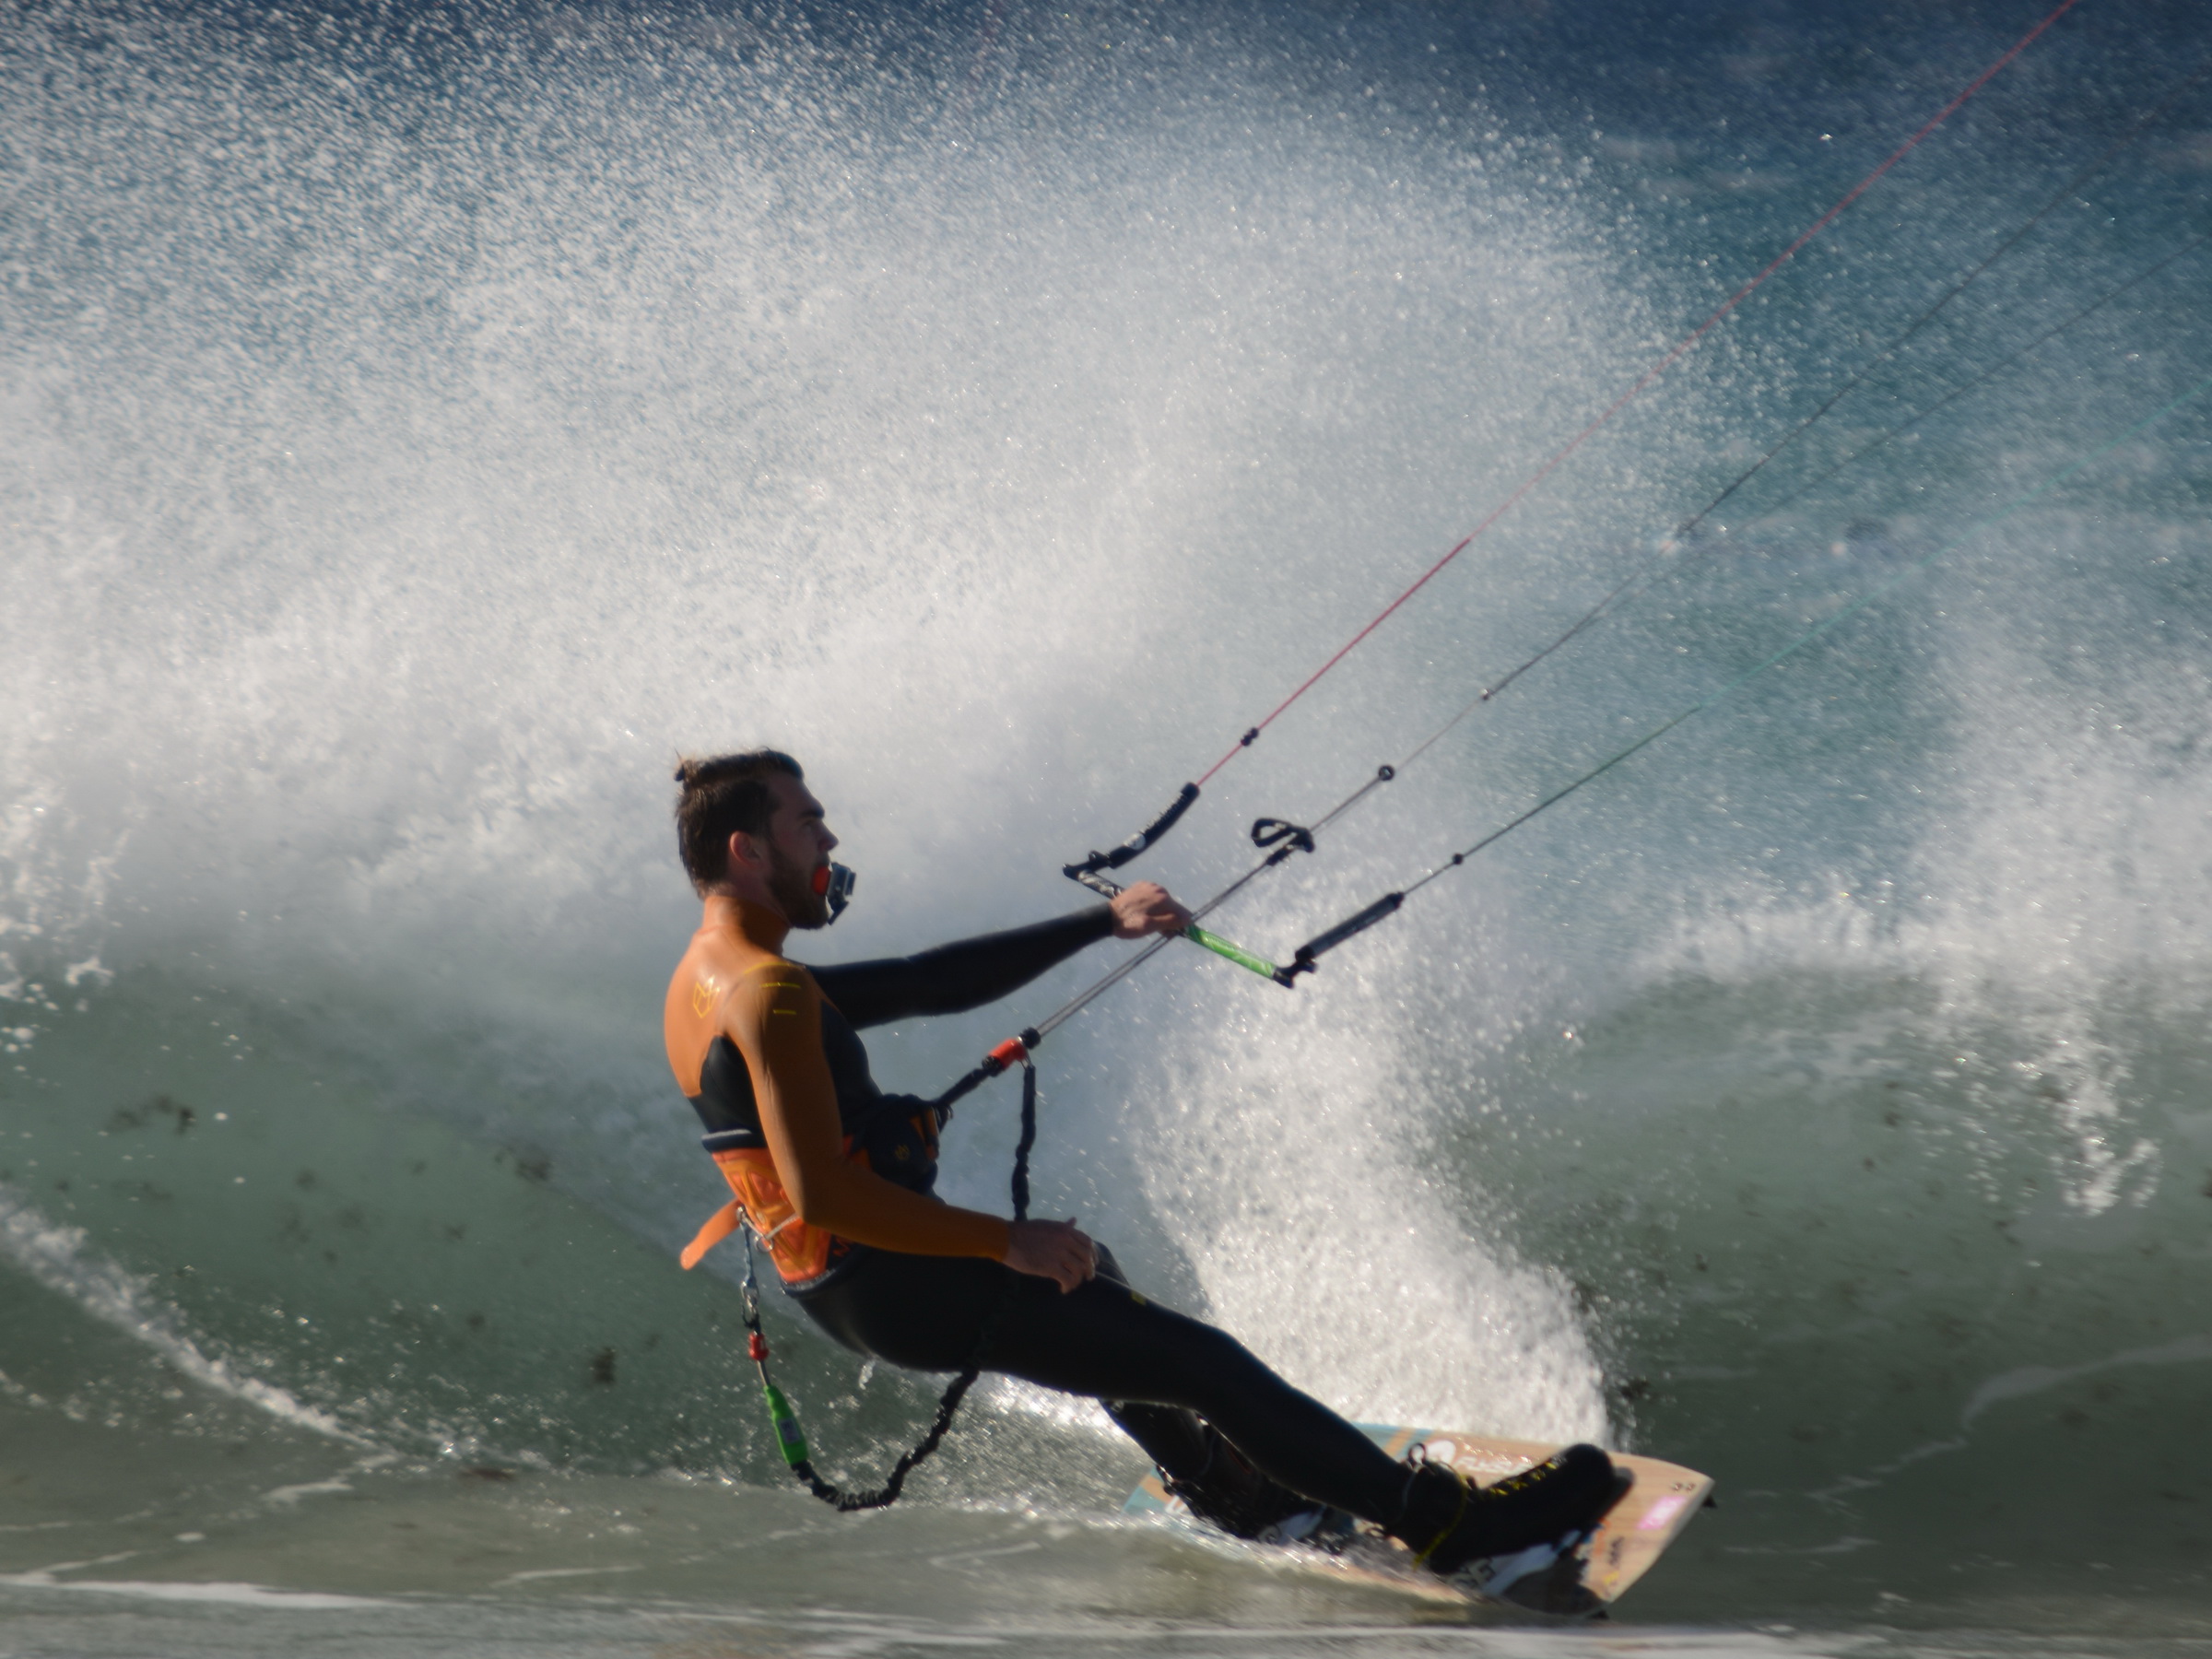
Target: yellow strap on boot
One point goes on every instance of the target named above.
(1466, 1490)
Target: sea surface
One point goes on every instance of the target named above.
(423, 424)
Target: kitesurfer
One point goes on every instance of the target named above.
(837, 1178)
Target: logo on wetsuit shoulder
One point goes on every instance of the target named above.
(702, 997)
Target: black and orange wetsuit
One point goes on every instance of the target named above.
(738, 1010)
(839, 1178)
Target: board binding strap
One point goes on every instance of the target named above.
(1578, 1577)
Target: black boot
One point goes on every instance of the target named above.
(1228, 1491)
(1449, 1522)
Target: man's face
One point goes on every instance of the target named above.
(798, 844)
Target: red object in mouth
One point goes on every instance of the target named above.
(822, 882)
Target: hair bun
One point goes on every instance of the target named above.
(722, 796)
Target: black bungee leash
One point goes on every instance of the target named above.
(790, 1440)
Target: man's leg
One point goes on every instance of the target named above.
(1198, 1463)
(1114, 1344)
(1106, 1340)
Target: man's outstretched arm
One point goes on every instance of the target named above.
(954, 978)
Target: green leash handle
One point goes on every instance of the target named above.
(790, 1440)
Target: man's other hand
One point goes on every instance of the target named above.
(1147, 908)
(1054, 1249)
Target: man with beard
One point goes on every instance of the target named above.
(837, 1180)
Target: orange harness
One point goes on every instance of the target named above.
(800, 1250)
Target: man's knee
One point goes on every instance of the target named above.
(1110, 1270)
(1217, 1364)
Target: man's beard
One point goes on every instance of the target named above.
(792, 889)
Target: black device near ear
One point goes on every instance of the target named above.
(834, 887)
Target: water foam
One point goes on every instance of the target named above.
(2050, 891)
(548, 463)
(1290, 1169)
(58, 1258)
(219, 1592)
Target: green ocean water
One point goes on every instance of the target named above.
(423, 424)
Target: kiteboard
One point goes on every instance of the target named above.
(1579, 1583)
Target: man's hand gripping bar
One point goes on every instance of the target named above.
(1194, 932)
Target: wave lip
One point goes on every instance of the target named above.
(57, 1257)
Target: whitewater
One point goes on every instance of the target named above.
(425, 424)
